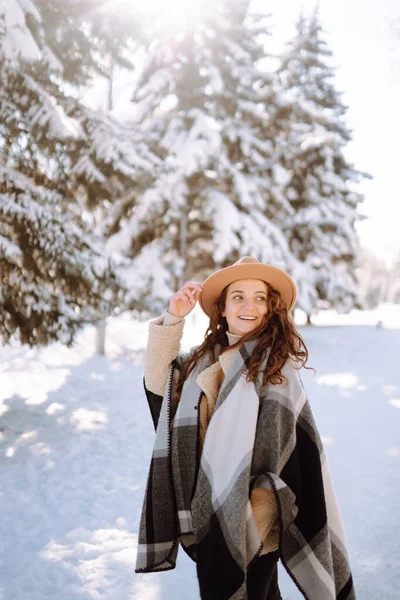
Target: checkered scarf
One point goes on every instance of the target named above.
(262, 436)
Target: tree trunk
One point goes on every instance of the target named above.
(101, 326)
(183, 247)
(101, 338)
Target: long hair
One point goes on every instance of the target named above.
(276, 332)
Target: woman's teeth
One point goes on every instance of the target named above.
(247, 318)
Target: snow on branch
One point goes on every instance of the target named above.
(47, 113)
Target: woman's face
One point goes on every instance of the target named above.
(245, 305)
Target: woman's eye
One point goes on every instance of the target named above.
(261, 298)
(237, 297)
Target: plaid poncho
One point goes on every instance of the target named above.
(263, 436)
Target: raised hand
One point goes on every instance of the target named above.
(184, 301)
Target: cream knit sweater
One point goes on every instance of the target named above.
(165, 334)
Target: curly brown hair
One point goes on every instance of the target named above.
(277, 332)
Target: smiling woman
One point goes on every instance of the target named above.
(237, 453)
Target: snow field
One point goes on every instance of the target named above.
(76, 441)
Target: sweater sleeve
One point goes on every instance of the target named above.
(163, 344)
(265, 512)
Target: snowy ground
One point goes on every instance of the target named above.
(76, 440)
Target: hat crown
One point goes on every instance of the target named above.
(247, 260)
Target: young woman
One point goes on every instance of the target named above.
(238, 475)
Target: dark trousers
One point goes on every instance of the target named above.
(262, 578)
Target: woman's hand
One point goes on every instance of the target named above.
(184, 301)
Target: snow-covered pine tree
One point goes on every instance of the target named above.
(201, 98)
(56, 158)
(314, 135)
(54, 277)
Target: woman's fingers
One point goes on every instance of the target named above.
(191, 296)
(191, 290)
(192, 286)
(186, 295)
(185, 299)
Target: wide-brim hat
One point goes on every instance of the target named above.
(247, 267)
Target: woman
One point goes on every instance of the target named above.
(238, 474)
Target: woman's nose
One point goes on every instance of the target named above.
(248, 303)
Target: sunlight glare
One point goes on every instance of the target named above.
(394, 452)
(174, 14)
(85, 420)
(343, 380)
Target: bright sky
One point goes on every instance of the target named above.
(362, 36)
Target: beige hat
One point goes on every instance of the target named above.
(247, 267)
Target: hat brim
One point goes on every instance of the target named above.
(278, 279)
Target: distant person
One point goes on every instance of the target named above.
(238, 475)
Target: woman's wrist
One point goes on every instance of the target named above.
(171, 319)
